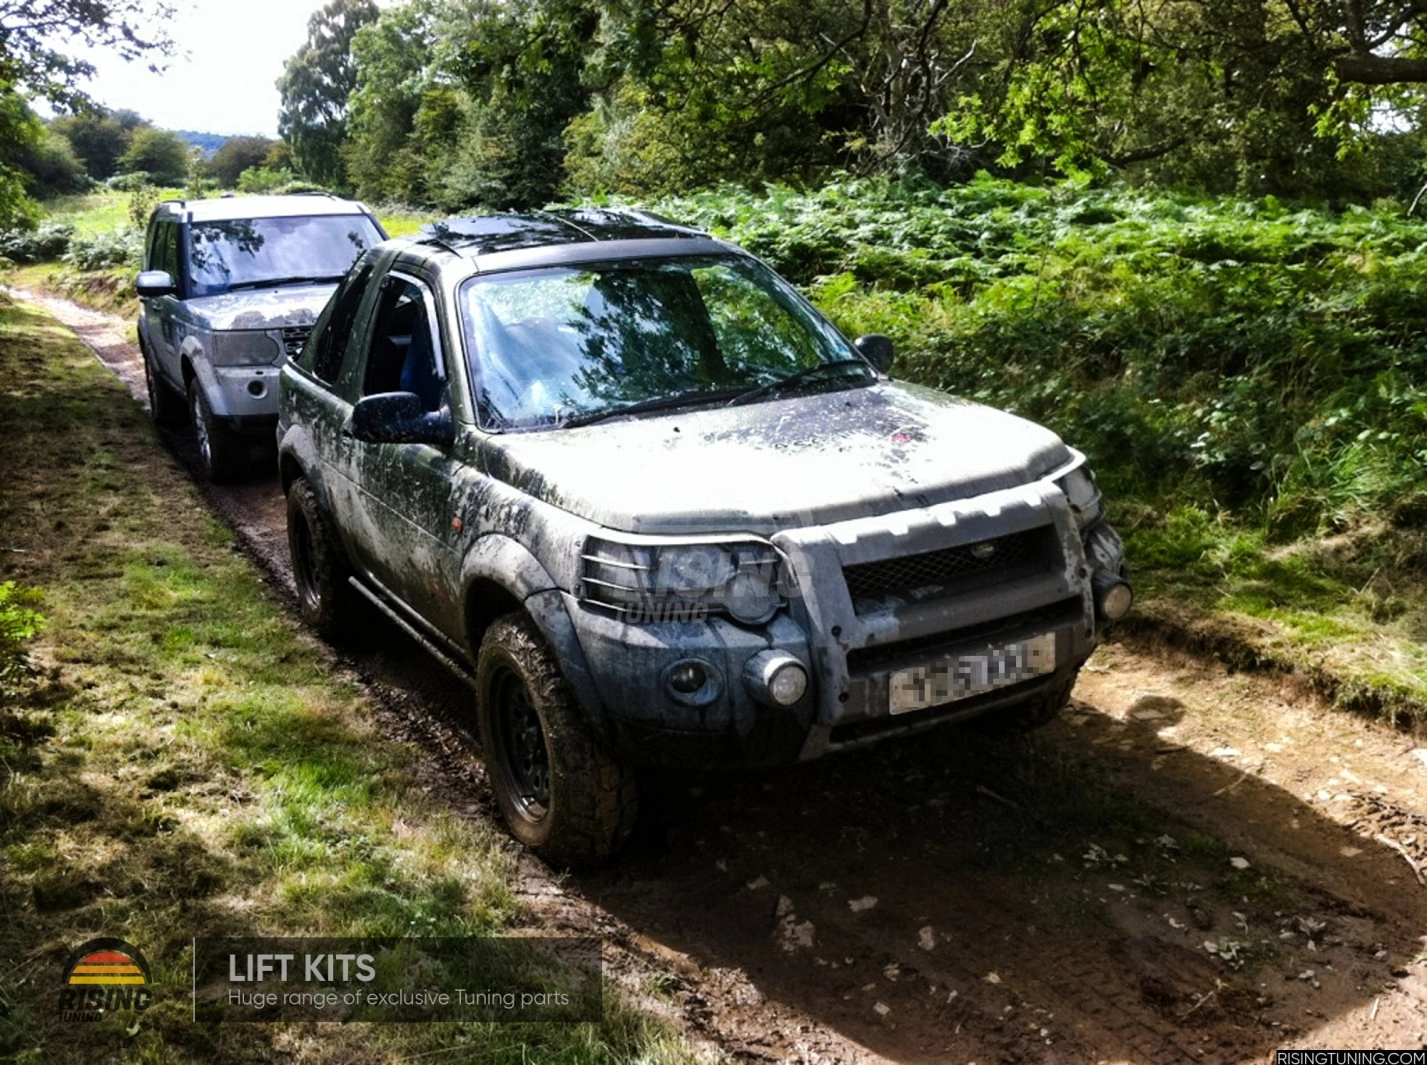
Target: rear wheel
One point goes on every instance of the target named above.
(165, 405)
(561, 794)
(222, 453)
(319, 569)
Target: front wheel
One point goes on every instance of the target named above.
(561, 794)
(222, 454)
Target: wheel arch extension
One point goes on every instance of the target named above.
(500, 576)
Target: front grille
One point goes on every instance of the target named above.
(293, 338)
(934, 574)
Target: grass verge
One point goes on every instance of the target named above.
(109, 291)
(1348, 611)
(184, 764)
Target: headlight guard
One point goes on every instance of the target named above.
(654, 581)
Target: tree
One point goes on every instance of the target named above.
(160, 153)
(749, 90)
(522, 66)
(99, 138)
(316, 86)
(32, 34)
(745, 90)
(33, 31)
(1225, 93)
(20, 131)
(236, 155)
(52, 168)
(385, 155)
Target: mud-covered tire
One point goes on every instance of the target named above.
(319, 568)
(221, 453)
(166, 406)
(1029, 715)
(562, 795)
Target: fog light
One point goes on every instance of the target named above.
(775, 678)
(1113, 598)
(687, 677)
(257, 389)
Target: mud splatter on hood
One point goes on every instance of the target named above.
(793, 462)
(263, 308)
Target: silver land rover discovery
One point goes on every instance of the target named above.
(230, 288)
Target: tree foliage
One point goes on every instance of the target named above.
(52, 168)
(387, 155)
(159, 153)
(34, 35)
(511, 102)
(98, 137)
(236, 155)
(316, 85)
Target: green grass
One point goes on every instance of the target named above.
(401, 221)
(185, 764)
(98, 212)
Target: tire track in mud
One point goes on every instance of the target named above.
(959, 898)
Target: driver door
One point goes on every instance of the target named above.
(405, 493)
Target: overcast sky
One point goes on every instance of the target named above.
(222, 81)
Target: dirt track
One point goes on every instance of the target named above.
(958, 898)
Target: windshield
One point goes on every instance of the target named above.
(251, 251)
(551, 345)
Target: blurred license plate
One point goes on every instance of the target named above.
(963, 675)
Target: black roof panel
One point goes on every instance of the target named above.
(489, 234)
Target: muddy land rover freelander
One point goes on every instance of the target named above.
(659, 511)
(230, 288)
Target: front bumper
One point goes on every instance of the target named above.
(851, 645)
(247, 398)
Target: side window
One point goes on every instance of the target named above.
(403, 357)
(163, 249)
(324, 357)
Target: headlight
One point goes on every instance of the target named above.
(242, 347)
(682, 582)
(1082, 495)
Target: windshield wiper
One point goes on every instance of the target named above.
(678, 399)
(277, 282)
(797, 377)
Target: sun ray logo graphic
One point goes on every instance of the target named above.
(103, 974)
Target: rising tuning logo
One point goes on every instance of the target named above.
(101, 976)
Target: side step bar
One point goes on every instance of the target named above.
(437, 651)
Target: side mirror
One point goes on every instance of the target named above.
(400, 418)
(152, 283)
(877, 350)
